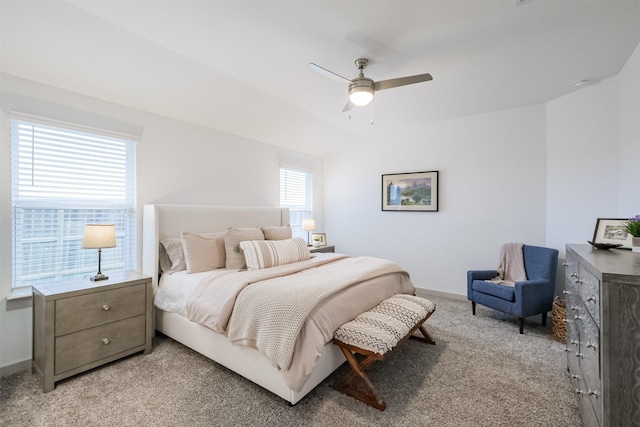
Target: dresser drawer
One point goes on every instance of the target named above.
(90, 345)
(98, 308)
(589, 289)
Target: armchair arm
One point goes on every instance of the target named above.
(478, 275)
(534, 296)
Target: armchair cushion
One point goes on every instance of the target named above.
(506, 293)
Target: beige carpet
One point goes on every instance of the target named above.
(481, 372)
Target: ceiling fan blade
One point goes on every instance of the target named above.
(348, 106)
(402, 81)
(325, 72)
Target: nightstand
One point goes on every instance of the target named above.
(313, 249)
(79, 324)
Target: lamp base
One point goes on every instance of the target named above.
(98, 277)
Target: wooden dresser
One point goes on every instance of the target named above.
(80, 324)
(603, 333)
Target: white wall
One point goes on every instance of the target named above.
(593, 139)
(492, 190)
(176, 163)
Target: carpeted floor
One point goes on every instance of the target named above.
(481, 372)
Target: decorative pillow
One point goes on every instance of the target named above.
(277, 233)
(172, 255)
(235, 258)
(203, 252)
(270, 253)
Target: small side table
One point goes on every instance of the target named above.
(79, 324)
(313, 249)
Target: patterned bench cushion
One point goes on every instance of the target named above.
(379, 329)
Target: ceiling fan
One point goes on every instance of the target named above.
(361, 89)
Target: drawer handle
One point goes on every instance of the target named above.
(566, 292)
(574, 342)
(591, 299)
(591, 345)
(574, 275)
(565, 264)
(105, 341)
(579, 355)
(577, 318)
(593, 393)
(578, 282)
(106, 307)
(575, 377)
(580, 392)
(574, 308)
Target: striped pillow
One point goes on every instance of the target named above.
(270, 253)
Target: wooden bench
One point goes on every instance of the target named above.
(373, 334)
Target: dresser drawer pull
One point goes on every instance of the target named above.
(566, 292)
(580, 392)
(105, 341)
(574, 342)
(578, 282)
(574, 308)
(579, 355)
(591, 345)
(591, 299)
(106, 307)
(575, 377)
(565, 264)
(577, 318)
(574, 275)
(593, 393)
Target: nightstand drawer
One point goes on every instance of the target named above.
(90, 345)
(86, 311)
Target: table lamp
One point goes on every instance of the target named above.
(308, 225)
(99, 236)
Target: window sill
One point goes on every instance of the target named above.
(19, 298)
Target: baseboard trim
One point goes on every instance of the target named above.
(422, 292)
(15, 367)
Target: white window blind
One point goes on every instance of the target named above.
(63, 179)
(296, 194)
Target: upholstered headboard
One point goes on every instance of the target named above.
(162, 221)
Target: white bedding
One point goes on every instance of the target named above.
(176, 289)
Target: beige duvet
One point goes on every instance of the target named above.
(290, 312)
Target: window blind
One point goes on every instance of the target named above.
(296, 194)
(63, 179)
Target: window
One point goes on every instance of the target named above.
(63, 179)
(296, 194)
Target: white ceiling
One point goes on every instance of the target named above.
(241, 66)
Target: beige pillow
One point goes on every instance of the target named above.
(203, 252)
(277, 233)
(235, 258)
(172, 255)
(270, 253)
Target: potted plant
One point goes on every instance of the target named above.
(633, 227)
(317, 241)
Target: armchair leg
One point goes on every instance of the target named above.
(544, 319)
(521, 322)
(473, 307)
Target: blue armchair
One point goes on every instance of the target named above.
(528, 298)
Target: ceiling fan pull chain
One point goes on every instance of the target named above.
(371, 122)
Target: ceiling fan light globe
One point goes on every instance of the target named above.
(360, 95)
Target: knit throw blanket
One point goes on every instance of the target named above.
(511, 268)
(268, 315)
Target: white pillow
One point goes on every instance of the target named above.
(172, 255)
(203, 252)
(270, 253)
(235, 258)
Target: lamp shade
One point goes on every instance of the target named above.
(309, 224)
(99, 236)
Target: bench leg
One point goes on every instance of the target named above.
(356, 384)
(427, 338)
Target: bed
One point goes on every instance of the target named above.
(164, 221)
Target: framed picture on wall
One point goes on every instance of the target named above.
(413, 192)
(611, 231)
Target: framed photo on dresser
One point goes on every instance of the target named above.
(612, 231)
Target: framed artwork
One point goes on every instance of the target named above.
(413, 192)
(319, 237)
(612, 231)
